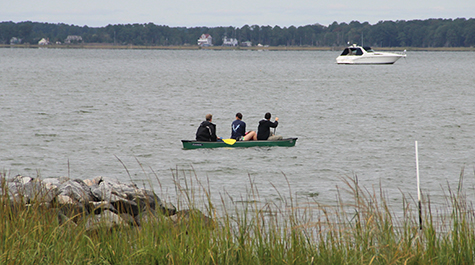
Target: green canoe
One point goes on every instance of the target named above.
(189, 144)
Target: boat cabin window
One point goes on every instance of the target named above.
(368, 49)
(345, 51)
(352, 51)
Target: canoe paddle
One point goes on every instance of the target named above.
(229, 141)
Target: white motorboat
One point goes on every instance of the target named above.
(365, 55)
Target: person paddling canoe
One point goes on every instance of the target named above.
(263, 130)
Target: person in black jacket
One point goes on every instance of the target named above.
(207, 130)
(263, 130)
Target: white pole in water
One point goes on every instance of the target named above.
(418, 187)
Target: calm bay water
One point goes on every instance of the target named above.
(82, 113)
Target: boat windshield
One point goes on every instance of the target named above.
(368, 49)
(352, 51)
(345, 51)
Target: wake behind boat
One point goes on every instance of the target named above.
(191, 144)
(365, 55)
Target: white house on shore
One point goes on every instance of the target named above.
(73, 39)
(205, 40)
(230, 42)
(43, 41)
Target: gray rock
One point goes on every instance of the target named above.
(125, 206)
(21, 179)
(14, 191)
(167, 209)
(126, 198)
(106, 219)
(106, 201)
(99, 207)
(94, 181)
(63, 199)
(54, 182)
(108, 187)
(73, 210)
(31, 191)
(77, 190)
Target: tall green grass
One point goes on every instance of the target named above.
(251, 231)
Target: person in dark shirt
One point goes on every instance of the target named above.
(238, 130)
(207, 130)
(263, 130)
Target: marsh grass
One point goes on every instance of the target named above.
(250, 231)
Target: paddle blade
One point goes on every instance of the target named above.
(229, 141)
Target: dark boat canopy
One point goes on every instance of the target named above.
(355, 50)
(352, 51)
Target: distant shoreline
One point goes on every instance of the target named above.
(253, 48)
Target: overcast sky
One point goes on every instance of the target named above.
(237, 13)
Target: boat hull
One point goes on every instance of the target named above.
(374, 59)
(189, 144)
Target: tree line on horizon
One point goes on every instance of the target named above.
(458, 32)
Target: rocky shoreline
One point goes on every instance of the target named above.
(99, 202)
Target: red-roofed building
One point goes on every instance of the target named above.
(205, 40)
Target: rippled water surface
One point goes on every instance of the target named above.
(87, 113)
